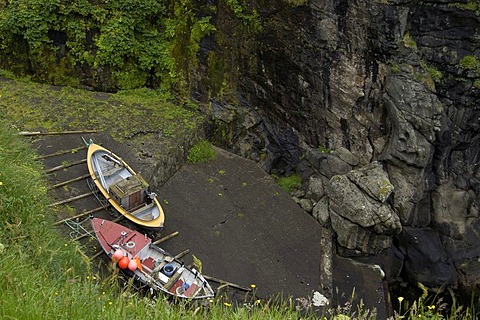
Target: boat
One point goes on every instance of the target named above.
(137, 256)
(125, 190)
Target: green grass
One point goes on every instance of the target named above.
(290, 183)
(409, 42)
(33, 106)
(201, 152)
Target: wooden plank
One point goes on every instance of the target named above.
(98, 254)
(65, 166)
(39, 133)
(230, 284)
(167, 237)
(61, 152)
(71, 199)
(85, 213)
(182, 254)
(61, 184)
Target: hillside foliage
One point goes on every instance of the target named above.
(135, 43)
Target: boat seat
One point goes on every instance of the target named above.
(112, 170)
(142, 207)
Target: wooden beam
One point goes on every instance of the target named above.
(58, 153)
(96, 255)
(39, 133)
(71, 199)
(230, 284)
(68, 181)
(165, 238)
(65, 166)
(182, 254)
(83, 214)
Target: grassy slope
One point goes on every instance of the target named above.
(32, 106)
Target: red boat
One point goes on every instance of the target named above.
(139, 257)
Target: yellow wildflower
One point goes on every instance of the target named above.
(253, 286)
(400, 299)
(431, 307)
(227, 304)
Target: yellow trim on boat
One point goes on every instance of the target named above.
(155, 223)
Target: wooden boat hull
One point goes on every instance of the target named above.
(123, 188)
(149, 263)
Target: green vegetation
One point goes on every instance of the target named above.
(470, 63)
(296, 3)
(322, 149)
(201, 152)
(131, 43)
(249, 18)
(431, 71)
(31, 106)
(471, 6)
(394, 67)
(290, 183)
(409, 42)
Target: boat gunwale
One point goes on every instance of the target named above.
(154, 223)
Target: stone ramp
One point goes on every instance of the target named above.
(243, 227)
(229, 213)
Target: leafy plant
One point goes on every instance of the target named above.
(130, 42)
(290, 183)
(409, 42)
(470, 63)
(201, 152)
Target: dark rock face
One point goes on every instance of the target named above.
(341, 86)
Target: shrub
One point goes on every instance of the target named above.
(409, 42)
(290, 183)
(470, 63)
(201, 152)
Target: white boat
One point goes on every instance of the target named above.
(123, 188)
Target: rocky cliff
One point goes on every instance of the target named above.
(375, 104)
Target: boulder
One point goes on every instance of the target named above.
(360, 216)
